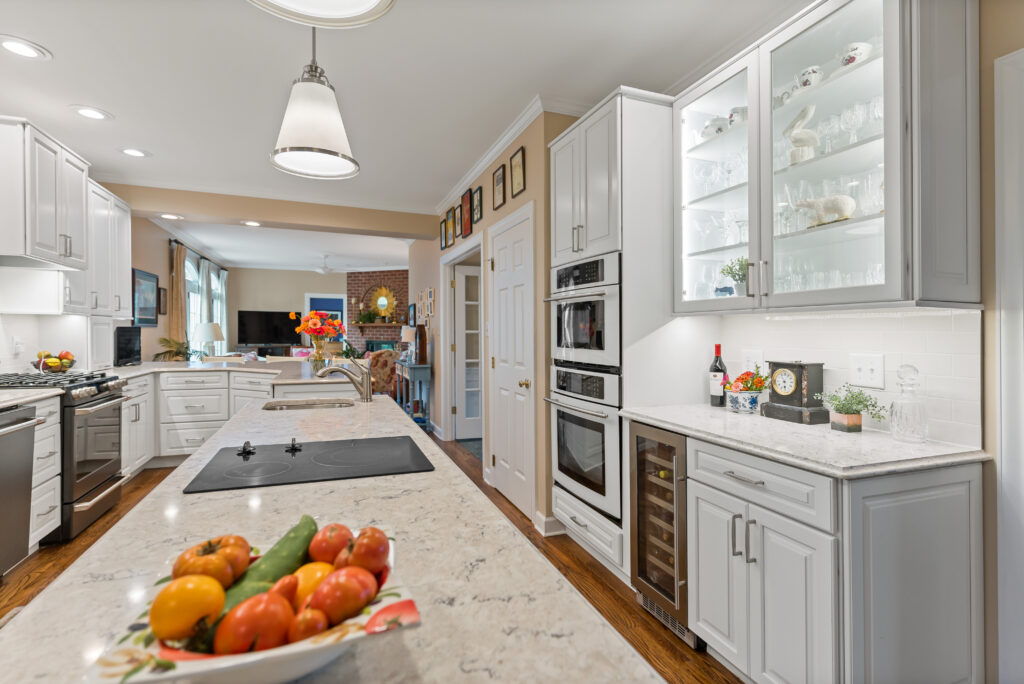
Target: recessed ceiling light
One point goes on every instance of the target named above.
(24, 48)
(135, 152)
(91, 112)
(327, 13)
(171, 217)
(251, 224)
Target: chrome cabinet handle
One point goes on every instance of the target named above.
(67, 294)
(750, 280)
(743, 479)
(574, 238)
(746, 541)
(17, 427)
(732, 533)
(117, 300)
(95, 301)
(46, 456)
(577, 521)
(71, 243)
(138, 415)
(48, 511)
(192, 406)
(581, 295)
(193, 440)
(764, 277)
(585, 412)
(195, 382)
(583, 237)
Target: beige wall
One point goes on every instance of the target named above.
(151, 252)
(257, 289)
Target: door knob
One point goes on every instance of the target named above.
(524, 383)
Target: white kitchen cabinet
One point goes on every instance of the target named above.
(45, 510)
(194, 405)
(183, 439)
(72, 209)
(241, 398)
(46, 455)
(138, 425)
(846, 177)
(101, 342)
(121, 270)
(564, 194)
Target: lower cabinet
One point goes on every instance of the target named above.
(138, 434)
(46, 468)
(182, 439)
(242, 398)
(193, 406)
(45, 517)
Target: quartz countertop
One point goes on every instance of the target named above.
(493, 609)
(14, 397)
(296, 372)
(817, 448)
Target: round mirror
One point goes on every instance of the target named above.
(384, 300)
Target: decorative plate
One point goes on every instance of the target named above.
(138, 656)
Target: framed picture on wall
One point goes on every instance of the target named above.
(458, 220)
(412, 315)
(498, 189)
(478, 204)
(517, 170)
(449, 227)
(467, 213)
(144, 297)
(444, 234)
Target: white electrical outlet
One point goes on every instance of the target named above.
(751, 358)
(867, 370)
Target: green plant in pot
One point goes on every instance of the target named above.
(847, 406)
(367, 317)
(176, 351)
(736, 271)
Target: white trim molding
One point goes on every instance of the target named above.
(537, 106)
(547, 525)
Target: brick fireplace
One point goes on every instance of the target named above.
(360, 286)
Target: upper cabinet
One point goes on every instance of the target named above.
(43, 208)
(835, 163)
(104, 288)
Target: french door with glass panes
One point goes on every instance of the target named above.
(468, 345)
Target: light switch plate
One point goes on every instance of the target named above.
(867, 370)
(751, 358)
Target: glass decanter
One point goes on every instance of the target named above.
(908, 417)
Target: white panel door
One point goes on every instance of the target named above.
(42, 178)
(101, 248)
(565, 192)
(600, 208)
(71, 215)
(513, 443)
(716, 568)
(794, 622)
(468, 350)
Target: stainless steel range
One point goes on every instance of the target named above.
(90, 443)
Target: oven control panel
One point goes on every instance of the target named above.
(602, 270)
(601, 388)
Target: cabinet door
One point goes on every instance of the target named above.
(143, 433)
(72, 214)
(716, 220)
(794, 621)
(100, 251)
(830, 157)
(600, 203)
(717, 571)
(42, 178)
(121, 272)
(565, 199)
(242, 398)
(101, 342)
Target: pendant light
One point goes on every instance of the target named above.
(312, 142)
(327, 13)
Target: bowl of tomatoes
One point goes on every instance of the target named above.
(228, 612)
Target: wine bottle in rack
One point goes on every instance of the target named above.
(716, 376)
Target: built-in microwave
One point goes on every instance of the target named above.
(585, 312)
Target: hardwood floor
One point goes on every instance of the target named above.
(674, 660)
(31, 577)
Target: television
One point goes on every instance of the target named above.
(267, 327)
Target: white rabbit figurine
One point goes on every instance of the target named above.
(804, 140)
(829, 209)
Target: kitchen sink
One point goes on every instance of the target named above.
(306, 404)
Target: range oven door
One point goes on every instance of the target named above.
(91, 445)
(585, 326)
(586, 452)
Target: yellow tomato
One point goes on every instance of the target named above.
(310, 576)
(183, 603)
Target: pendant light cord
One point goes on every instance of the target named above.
(314, 46)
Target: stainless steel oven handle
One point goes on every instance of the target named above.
(86, 506)
(93, 409)
(732, 533)
(586, 412)
(744, 480)
(582, 295)
(17, 427)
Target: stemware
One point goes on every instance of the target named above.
(851, 120)
(707, 173)
(876, 114)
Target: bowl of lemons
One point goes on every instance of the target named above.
(50, 363)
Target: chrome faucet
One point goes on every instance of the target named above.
(362, 382)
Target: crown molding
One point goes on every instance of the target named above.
(537, 106)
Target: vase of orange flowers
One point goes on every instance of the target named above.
(743, 393)
(320, 327)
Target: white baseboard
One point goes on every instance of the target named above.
(616, 570)
(547, 526)
(436, 429)
(165, 462)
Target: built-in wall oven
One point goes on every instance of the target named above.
(585, 448)
(585, 312)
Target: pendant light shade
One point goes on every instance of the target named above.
(312, 142)
(327, 13)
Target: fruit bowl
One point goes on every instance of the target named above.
(63, 364)
(136, 656)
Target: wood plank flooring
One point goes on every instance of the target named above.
(674, 660)
(28, 579)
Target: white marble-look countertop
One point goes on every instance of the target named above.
(296, 372)
(14, 397)
(493, 609)
(817, 448)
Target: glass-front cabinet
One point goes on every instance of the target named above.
(810, 170)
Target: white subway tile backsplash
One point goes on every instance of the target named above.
(966, 365)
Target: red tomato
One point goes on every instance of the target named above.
(255, 624)
(361, 575)
(392, 616)
(340, 596)
(305, 624)
(328, 542)
(286, 586)
(369, 551)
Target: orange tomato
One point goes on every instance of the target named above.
(369, 551)
(328, 542)
(305, 624)
(310, 576)
(223, 558)
(363, 576)
(257, 623)
(183, 605)
(340, 596)
(286, 586)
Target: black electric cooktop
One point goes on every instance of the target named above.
(266, 465)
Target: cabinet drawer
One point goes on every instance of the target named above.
(45, 516)
(196, 380)
(326, 389)
(48, 411)
(46, 455)
(588, 524)
(798, 494)
(192, 405)
(139, 386)
(251, 381)
(185, 438)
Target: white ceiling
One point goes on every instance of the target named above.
(424, 91)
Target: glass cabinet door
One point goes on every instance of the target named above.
(824, 152)
(716, 226)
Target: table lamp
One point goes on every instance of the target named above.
(409, 336)
(207, 333)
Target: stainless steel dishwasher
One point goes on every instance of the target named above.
(17, 440)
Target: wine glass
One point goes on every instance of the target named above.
(851, 120)
(708, 174)
(876, 114)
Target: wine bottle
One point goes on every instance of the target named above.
(716, 375)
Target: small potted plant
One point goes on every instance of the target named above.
(743, 393)
(847, 405)
(736, 270)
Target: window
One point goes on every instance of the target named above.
(219, 300)
(193, 299)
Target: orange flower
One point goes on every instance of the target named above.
(315, 322)
(291, 315)
(299, 329)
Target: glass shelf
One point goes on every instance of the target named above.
(731, 141)
(719, 252)
(856, 82)
(860, 156)
(721, 200)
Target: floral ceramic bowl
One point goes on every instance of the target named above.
(742, 402)
(138, 656)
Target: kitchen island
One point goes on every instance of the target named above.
(492, 607)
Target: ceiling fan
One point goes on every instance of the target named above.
(324, 269)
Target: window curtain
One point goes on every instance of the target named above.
(222, 311)
(205, 300)
(178, 312)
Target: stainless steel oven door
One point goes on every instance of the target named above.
(586, 454)
(585, 326)
(91, 445)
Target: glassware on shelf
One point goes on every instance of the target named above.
(908, 415)
(852, 119)
(709, 174)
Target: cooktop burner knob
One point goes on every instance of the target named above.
(294, 448)
(247, 450)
